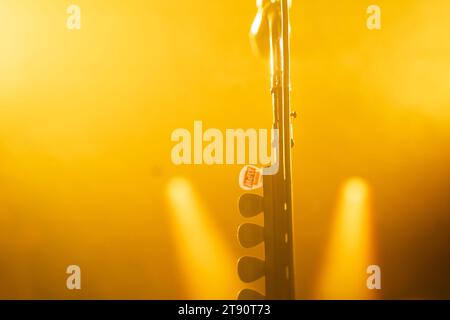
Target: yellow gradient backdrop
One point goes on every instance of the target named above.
(86, 118)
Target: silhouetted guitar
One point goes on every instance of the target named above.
(270, 33)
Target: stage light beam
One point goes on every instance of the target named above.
(350, 250)
(204, 260)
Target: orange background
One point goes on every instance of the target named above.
(85, 123)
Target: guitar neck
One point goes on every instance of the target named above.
(276, 203)
(280, 282)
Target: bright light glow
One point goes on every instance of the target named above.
(208, 267)
(13, 52)
(350, 251)
(257, 22)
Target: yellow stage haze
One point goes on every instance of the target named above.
(205, 261)
(349, 251)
